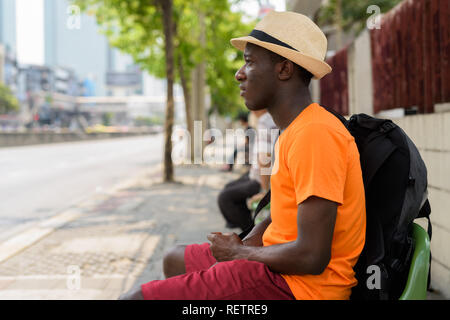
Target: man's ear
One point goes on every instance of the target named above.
(285, 70)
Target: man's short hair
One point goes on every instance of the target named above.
(305, 75)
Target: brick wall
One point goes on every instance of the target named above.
(431, 134)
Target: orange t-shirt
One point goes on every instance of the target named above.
(317, 156)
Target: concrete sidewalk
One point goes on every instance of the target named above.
(115, 241)
(118, 241)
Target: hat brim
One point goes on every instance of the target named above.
(317, 67)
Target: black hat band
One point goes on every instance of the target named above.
(262, 36)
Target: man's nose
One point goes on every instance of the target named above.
(240, 75)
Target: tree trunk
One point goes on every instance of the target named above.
(187, 103)
(169, 52)
(339, 24)
(198, 95)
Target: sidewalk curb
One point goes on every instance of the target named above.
(27, 238)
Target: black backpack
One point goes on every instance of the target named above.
(395, 182)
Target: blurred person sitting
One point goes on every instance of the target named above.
(253, 184)
(243, 120)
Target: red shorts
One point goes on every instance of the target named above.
(230, 280)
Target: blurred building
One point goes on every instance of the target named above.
(80, 72)
(72, 41)
(123, 78)
(48, 95)
(65, 81)
(33, 79)
(8, 25)
(8, 44)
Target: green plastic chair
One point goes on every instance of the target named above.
(416, 285)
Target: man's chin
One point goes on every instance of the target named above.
(253, 107)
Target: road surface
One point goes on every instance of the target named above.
(38, 182)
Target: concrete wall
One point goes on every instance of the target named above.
(360, 90)
(25, 139)
(360, 75)
(431, 134)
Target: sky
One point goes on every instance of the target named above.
(30, 31)
(251, 7)
(30, 26)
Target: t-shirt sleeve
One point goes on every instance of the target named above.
(317, 162)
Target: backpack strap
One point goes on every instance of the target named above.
(425, 212)
(261, 205)
(338, 115)
(264, 201)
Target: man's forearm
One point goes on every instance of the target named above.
(287, 258)
(284, 258)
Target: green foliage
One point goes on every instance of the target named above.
(148, 121)
(107, 118)
(354, 13)
(224, 60)
(135, 27)
(8, 102)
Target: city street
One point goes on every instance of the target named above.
(40, 181)
(116, 240)
(93, 195)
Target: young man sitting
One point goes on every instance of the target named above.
(308, 246)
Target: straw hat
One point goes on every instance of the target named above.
(293, 36)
